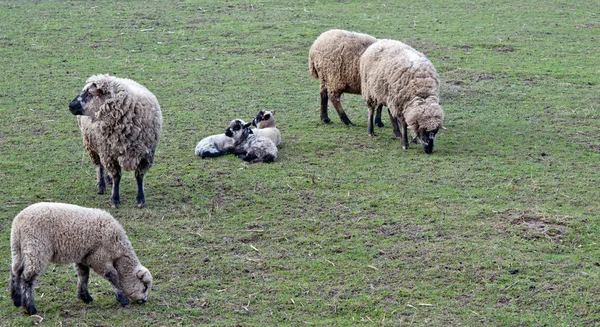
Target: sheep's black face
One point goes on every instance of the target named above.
(258, 118)
(238, 129)
(427, 139)
(76, 106)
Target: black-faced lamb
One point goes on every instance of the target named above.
(333, 59)
(214, 146)
(249, 146)
(120, 122)
(265, 126)
(399, 77)
(89, 238)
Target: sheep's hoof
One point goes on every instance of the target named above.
(141, 205)
(372, 134)
(404, 147)
(86, 298)
(379, 124)
(326, 121)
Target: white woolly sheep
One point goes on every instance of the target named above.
(333, 59)
(214, 146)
(399, 77)
(265, 126)
(89, 238)
(249, 146)
(120, 122)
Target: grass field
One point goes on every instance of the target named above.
(498, 227)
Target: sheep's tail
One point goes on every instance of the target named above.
(312, 68)
(16, 269)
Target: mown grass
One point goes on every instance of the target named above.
(497, 227)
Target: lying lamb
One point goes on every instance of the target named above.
(214, 146)
(265, 124)
(64, 233)
(333, 59)
(399, 77)
(249, 146)
(120, 122)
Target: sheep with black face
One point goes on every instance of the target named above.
(249, 146)
(120, 122)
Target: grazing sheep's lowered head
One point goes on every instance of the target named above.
(136, 283)
(424, 119)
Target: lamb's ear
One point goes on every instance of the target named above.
(95, 91)
(143, 274)
(267, 117)
(247, 125)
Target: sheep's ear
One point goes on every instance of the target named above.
(95, 91)
(247, 125)
(267, 117)
(143, 274)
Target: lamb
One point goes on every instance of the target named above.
(399, 77)
(265, 124)
(249, 146)
(89, 238)
(120, 122)
(333, 59)
(214, 146)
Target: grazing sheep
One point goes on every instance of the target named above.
(249, 146)
(214, 146)
(333, 59)
(265, 124)
(120, 122)
(399, 77)
(89, 238)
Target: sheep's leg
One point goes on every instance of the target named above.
(100, 179)
(370, 130)
(404, 135)
(83, 277)
(113, 278)
(324, 100)
(27, 281)
(141, 198)
(335, 100)
(395, 127)
(378, 121)
(15, 286)
(115, 199)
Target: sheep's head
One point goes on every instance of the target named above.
(99, 90)
(425, 120)
(136, 284)
(238, 130)
(264, 119)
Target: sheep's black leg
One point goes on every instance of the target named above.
(28, 303)
(83, 277)
(370, 130)
(100, 182)
(395, 127)
(15, 286)
(324, 100)
(378, 121)
(335, 100)
(141, 199)
(115, 199)
(113, 278)
(404, 135)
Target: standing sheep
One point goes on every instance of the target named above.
(120, 122)
(249, 146)
(333, 59)
(399, 77)
(265, 126)
(64, 233)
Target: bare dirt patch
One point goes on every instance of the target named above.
(534, 225)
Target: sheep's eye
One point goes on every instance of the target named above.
(145, 287)
(236, 128)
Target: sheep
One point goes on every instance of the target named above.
(265, 126)
(249, 146)
(120, 122)
(333, 59)
(214, 146)
(399, 77)
(63, 233)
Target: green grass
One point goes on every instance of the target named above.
(343, 229)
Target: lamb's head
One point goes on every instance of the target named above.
(136, 283)
(98, 91)
(425, 118)
(264, 119)
(238, 130)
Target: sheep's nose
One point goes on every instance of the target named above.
(75, 107)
